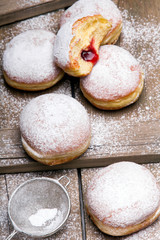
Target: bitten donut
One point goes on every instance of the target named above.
(104, 7)
(116, 81)
(55, 128)
(77, 43)
(28, 62)
(123, 198)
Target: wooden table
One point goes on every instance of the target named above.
(130, 134)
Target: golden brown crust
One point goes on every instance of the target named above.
(119, 231)
(55, 159)
(32, 86)
(118, 103)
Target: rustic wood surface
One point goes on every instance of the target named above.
(130, 134)
(13, 10)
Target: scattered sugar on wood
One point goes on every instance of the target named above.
(141, 38)
(12, 100)
(18, 161)
(29, 3)
(143, 35)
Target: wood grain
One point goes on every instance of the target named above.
(141, 13)
(142, 147)
(129, 134)
(13, 10)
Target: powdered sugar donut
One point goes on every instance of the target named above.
(28, 61)
(55, 128)
(106, 8)
(116, 80)
(77, 44)
(123, 198)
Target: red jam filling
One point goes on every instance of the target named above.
(90, 54)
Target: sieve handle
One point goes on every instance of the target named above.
(59, 179)
(11, 235)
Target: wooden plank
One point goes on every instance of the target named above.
(141, 147)
(147, 136)
(13, 100)
(29, 165)
(119, 129)
(72, 228)
(131, 133)
(13, 10)
(139, 16)
(92, 232)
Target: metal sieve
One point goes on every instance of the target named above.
(39, 207)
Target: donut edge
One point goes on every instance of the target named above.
(55, 159)
(119, 231)
(119, 103)
(32, 86)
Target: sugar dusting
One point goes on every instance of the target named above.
(24, 3)
(150, 111)
(46, 218)
(13, 101)
(28, 57)
(82, 8)
(85, 8)
(48, 124)
(123, 194)
(152, 232)
(78, 10)
(115, 75)
(141, 38)
(72, 229)
(143, 35)
(62, 44)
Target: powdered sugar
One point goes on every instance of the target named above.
(83, 8)
(54, 123)
(13, 101)
(46, 217)
(71, 230)
(29, 58)
(120, 132)
(77, 11)
(117, 74)
(62, 43)
(24, 3)
(142, 34)
(123, 194)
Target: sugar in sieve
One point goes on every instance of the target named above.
(39, 207)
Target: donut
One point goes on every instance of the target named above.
(77, 43)
(123, 198)
(116, 81)
(28, 62)
(104, 7)
(55, 128)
